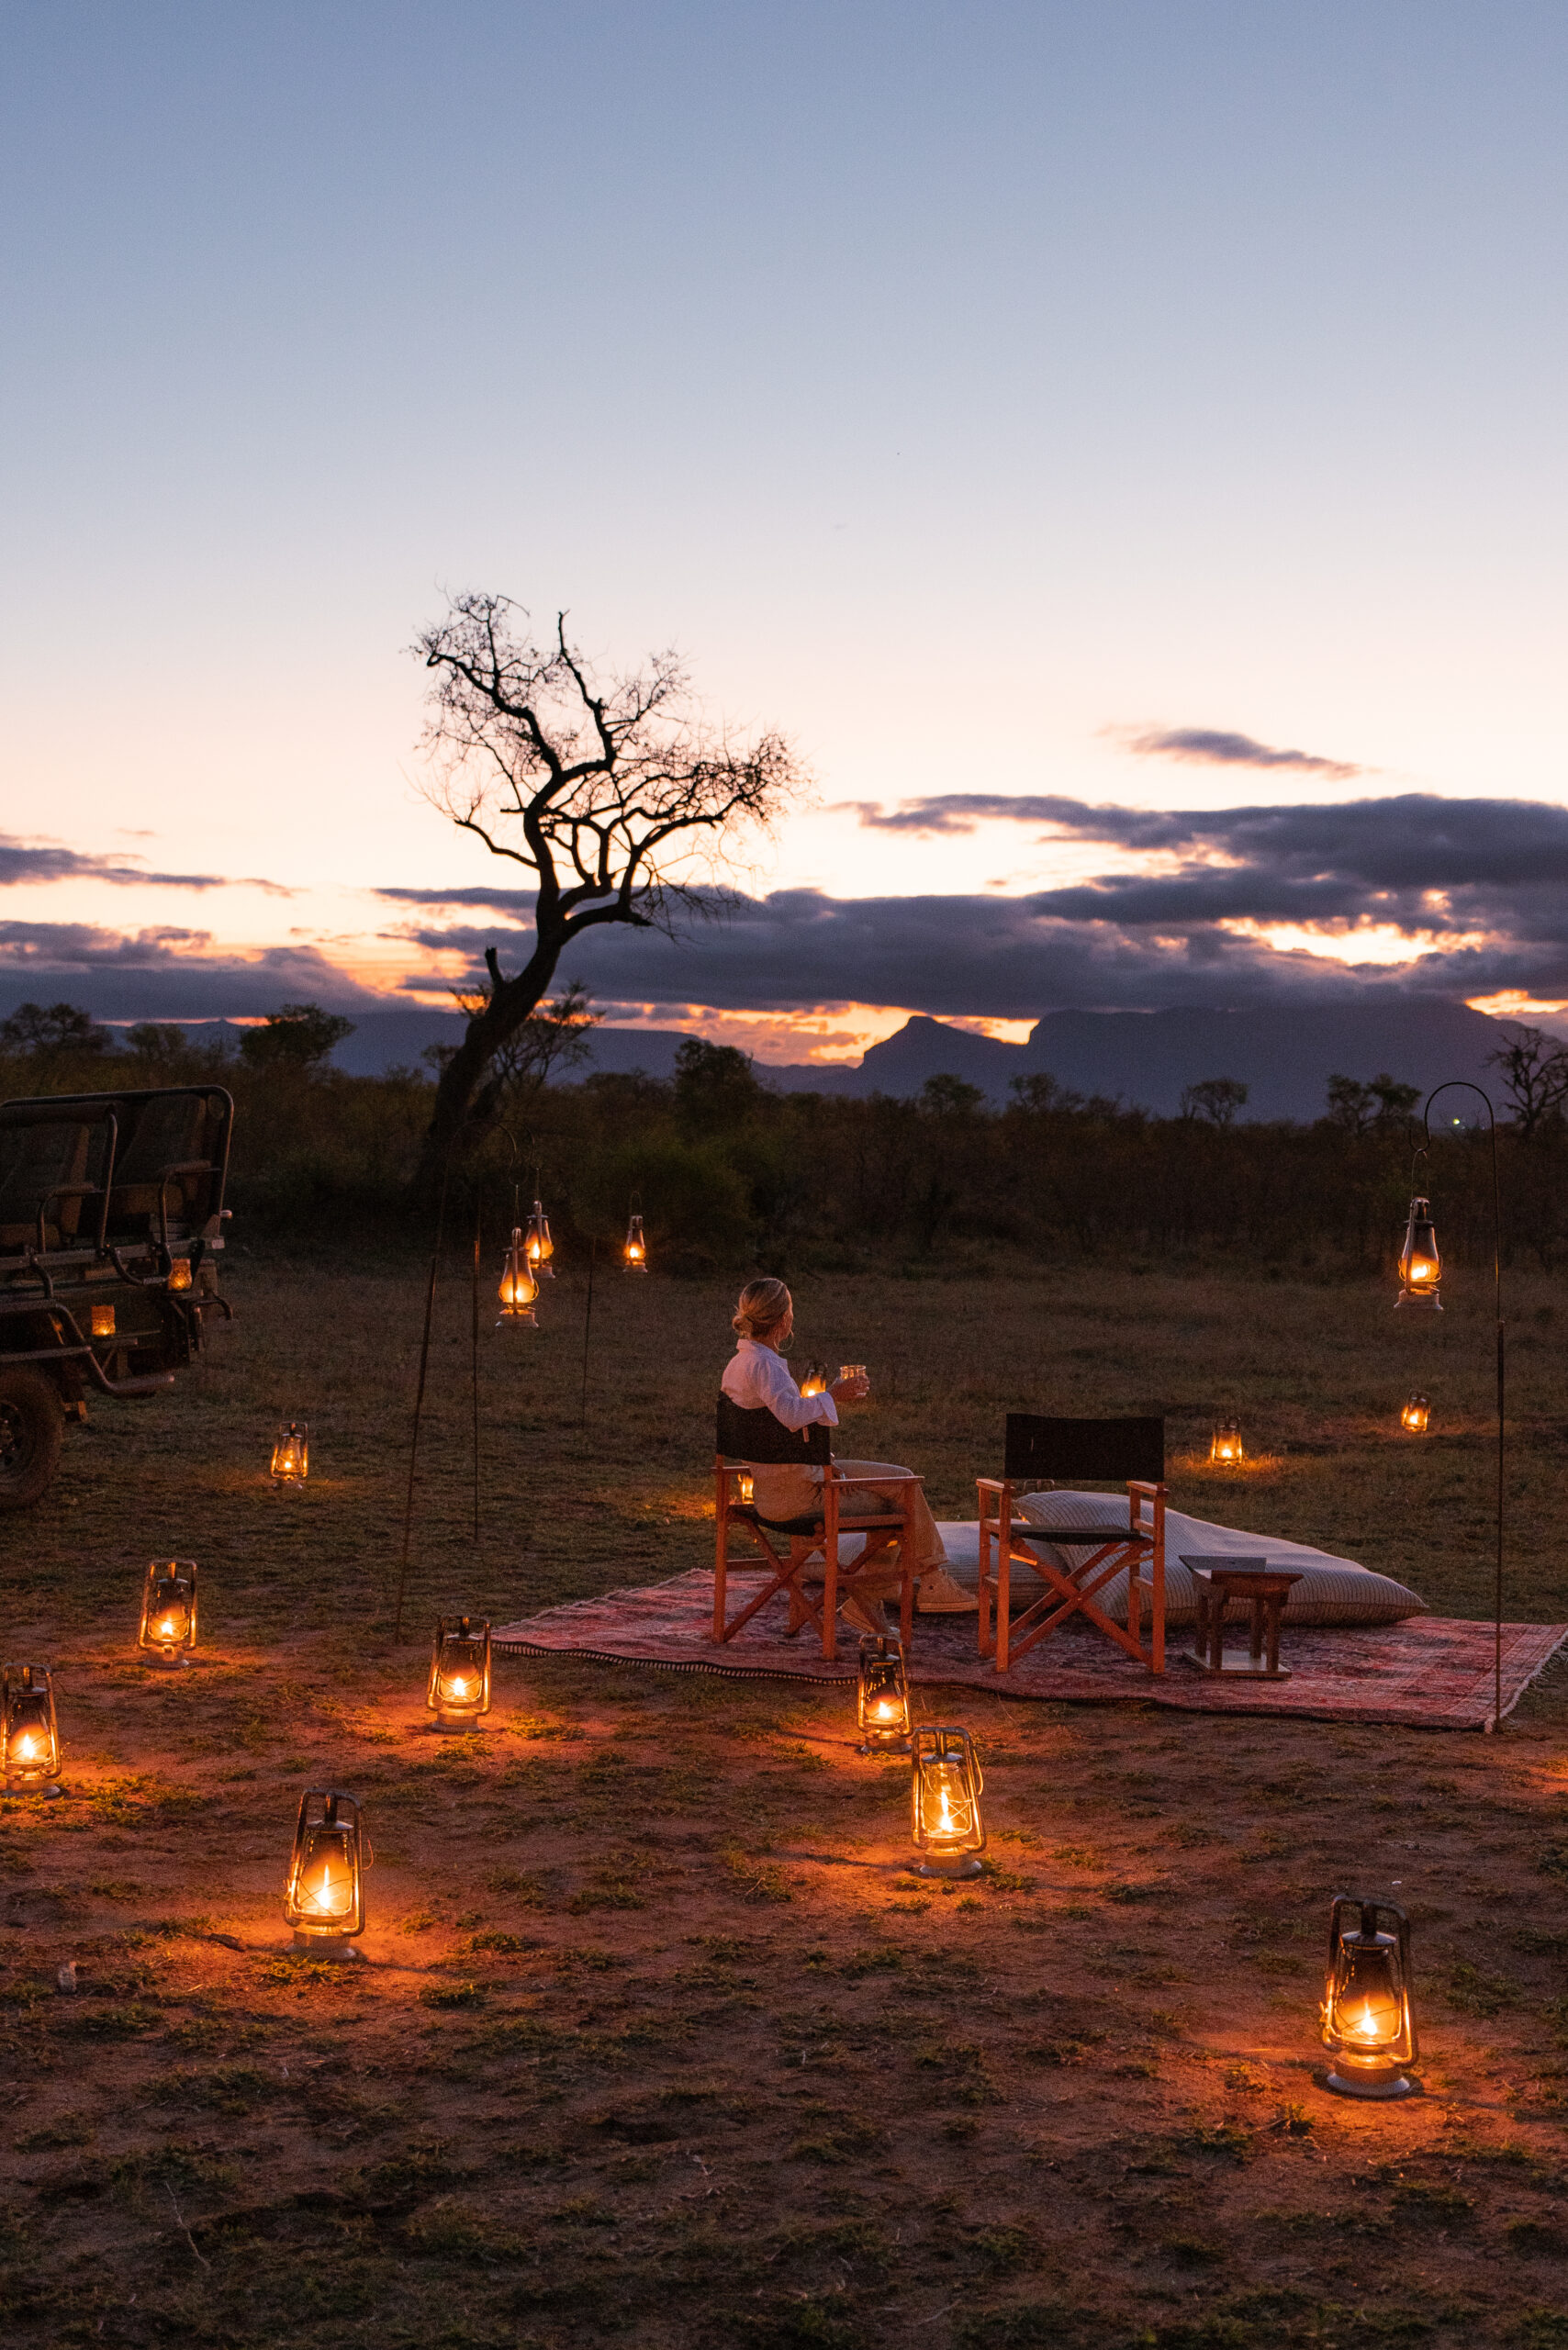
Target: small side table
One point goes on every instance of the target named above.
(1265, 1589)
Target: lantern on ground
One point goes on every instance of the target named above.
(325, 1901)
(1416, 1417)
(1368, 2027)
(169, 1610)
(1225, 1445)
(103, 1321)
(634, 1256)
(30, 1733)
(1420, 1266)
(813, 1380)
(518, 1287)
(458, 1691)
(179, 1277)
(882, 1699)
(291, 1453)
(946, 1784)
(539, 1245)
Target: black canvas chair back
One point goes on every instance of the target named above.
(1092, 1451)
(741, 1435)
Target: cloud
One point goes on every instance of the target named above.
(514, 902)
(165, 973)
(1213, 747)
(1455, 897)
(21, 863)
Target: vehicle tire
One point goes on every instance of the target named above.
(32, 1429)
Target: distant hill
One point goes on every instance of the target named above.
(1284, 1054)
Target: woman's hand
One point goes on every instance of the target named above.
(850, 1390)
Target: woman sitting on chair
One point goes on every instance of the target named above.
(758, 1377)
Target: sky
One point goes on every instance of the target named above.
(1120, 447)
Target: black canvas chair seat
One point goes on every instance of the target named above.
(747, 1438)
(1075, 1562)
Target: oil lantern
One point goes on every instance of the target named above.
(291, 1453)
(459, 1687)
(179, 1273)
(1416, 1417)
(30, 1733)
(1226, 1449)
(1368, 2028)
(539, 1245)
(883, 1707)
(103, 1322)
(1420, 1266)
(634, 1256)
(813, 1380)
(325, 1901)
(169, 1609)
(519, 1287)
(945, 1789)
(745, 1490)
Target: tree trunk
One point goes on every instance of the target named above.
(510, 1003)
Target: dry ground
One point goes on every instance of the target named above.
(657, 2041)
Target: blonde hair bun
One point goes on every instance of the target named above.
(762, 1305)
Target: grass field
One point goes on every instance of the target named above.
(658, 2041)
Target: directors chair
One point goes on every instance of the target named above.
(743, 1437)
(1075, 1560)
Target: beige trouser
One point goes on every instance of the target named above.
(797, 1493)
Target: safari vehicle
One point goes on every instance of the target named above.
(111, 1232)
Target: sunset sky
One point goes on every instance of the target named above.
(1121, 445)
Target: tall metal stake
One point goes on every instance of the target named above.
(478, 1209)
(420, 1398)
(587, 1317)
(1466, 1085)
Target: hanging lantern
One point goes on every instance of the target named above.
(1417, 1416)
(30, 1733)
(882, 1701)
(1367, 2024)
(945, 1784)
(539, 1245)
(169, 1610)
(459, 1689)
(519, 1289)
(103, 1321)
(325, 1901)
(634, 1256)
(179, 1273)
(1420, 1266)
(1225, 1445)
(813, 1380)
(745, 1490)
(291, 1453)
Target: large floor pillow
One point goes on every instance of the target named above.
(1331, 1590)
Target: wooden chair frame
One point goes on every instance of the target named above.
(886, 1538)
(1071, 1591)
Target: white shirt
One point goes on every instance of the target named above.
(755, 1378)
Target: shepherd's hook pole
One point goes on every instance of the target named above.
(1467, 1085)
(478, 1209)
(587, 1317)
(419, 1397)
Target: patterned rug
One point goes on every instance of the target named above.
(1431, 1671)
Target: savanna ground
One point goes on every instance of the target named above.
(657, 2040)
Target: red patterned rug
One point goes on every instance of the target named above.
(1430, 1671)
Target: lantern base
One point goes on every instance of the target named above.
(326, 1946)
(455, 1725)
(45, 1792)
(1429, 1304)
(962, 1865)
(1372, 2085)
(166, 1664)
(895, 1743)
